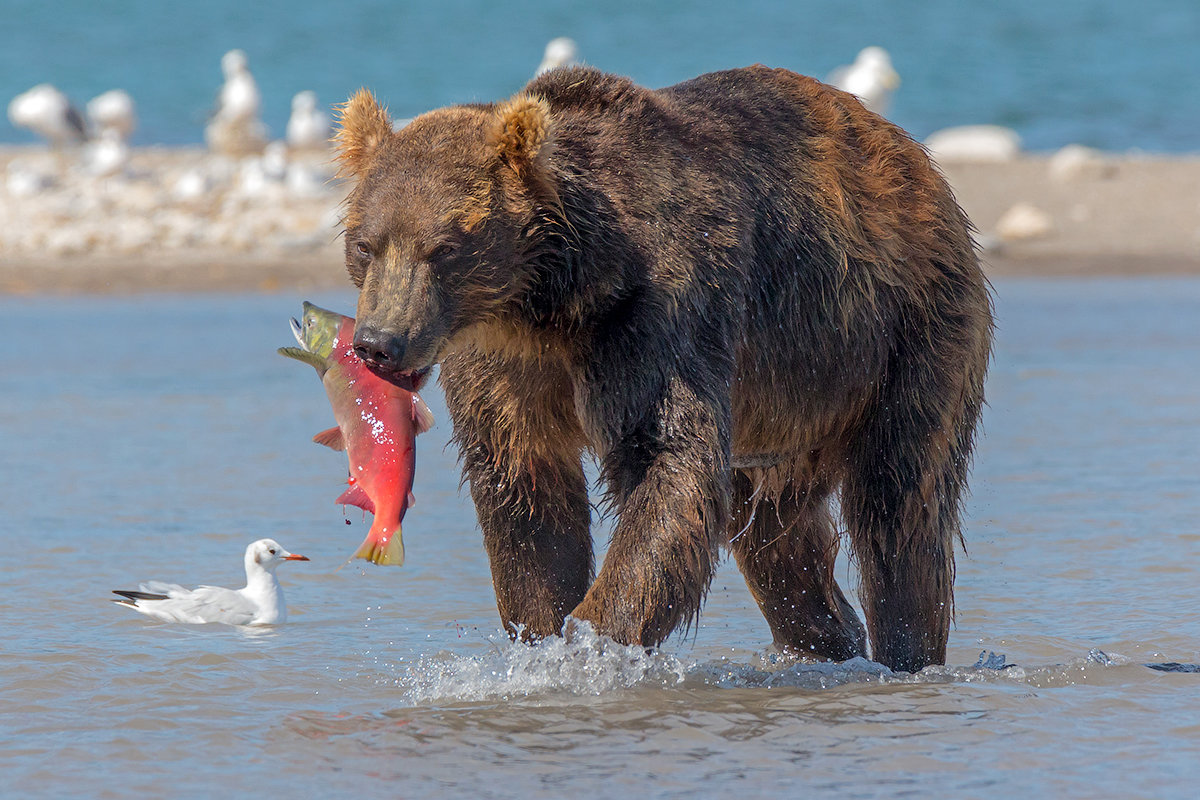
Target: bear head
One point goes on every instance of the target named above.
(441, 225)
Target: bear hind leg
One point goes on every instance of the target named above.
(785, 548)
(901, 502)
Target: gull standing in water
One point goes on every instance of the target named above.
(259, 603)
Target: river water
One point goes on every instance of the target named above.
(154, 437)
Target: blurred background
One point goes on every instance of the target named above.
(1110, 74)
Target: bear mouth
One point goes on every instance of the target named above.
(409, 380)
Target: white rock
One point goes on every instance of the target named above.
(192, 185)
(106, 156)
(134, 234)
(24, 181)
(1076, 161)
(1022, 222)
(306, 180)
(974, 143)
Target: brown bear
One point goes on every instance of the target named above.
(741, 294)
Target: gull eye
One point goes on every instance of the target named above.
(271, 551)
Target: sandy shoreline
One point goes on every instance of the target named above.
(180, 220)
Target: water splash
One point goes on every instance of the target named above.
(584, 664)
(587, 664)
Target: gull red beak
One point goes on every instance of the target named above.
(294, 557)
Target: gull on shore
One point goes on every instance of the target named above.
(112, 112)
(560, 52)
(47, 112)
(308, 126)
(871, 78)
(260, 602)
(235, 127)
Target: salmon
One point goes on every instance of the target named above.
(377, 425)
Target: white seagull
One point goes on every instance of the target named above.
(308, 126)
(47, 112)
(260, 603)
(235, 128)
(239, 98)
(871, 78)
(112, 111)
(560, 52)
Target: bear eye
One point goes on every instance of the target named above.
(441, 251)
(363, 249)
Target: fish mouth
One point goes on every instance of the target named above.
(298, 332)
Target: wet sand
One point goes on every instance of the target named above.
(182, 220)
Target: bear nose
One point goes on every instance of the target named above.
(378, 348)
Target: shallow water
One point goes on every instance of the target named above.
(154, 437)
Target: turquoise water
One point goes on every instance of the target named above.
(1107, 73)
(154, 437)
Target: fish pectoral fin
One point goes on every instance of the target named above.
(300, 354)
(331, 438)
(422, 416)
(355, 496)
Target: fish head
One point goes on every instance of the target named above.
(318, 332)
(318, 329)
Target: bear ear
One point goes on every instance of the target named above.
(363, 125)
(521, 132)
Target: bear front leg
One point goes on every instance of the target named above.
(668, 479)
(521, 450)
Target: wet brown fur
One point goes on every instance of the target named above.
(742, 293)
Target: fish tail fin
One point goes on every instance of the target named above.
(383, 549)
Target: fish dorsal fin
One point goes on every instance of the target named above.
(299, 354)
(355, 496)
(332, 438)
(421, 414)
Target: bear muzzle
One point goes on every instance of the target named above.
(388, 356)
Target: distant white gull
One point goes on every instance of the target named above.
(308, 126)
(560, 52)
(235, 128)
(112, 111)
(871, 78)
(259, 603)
(47, 112)
(239, 98)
